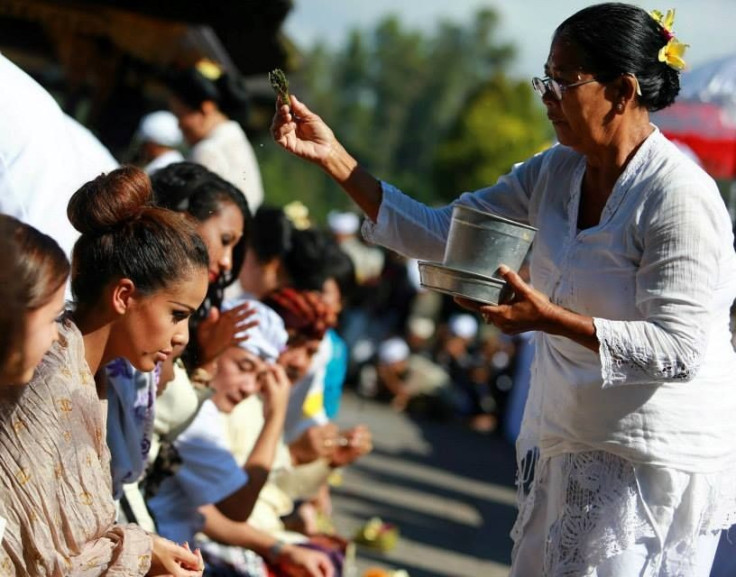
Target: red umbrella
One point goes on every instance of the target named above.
(704, 116)
(708, 129)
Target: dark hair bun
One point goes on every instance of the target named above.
(234, 98)
(665, 86)
(228, 91)
(110, 200)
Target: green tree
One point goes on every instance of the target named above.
(398, 99)
(500, 125)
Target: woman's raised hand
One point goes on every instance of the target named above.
(301, 132)
(275, 389)
(222, 330)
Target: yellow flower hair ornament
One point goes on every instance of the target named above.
(209, 69)
(671, 53)
(298, 215)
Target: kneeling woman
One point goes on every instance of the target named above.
(138, 273)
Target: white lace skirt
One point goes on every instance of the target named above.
(587, 511)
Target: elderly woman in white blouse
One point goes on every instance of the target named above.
(630, 420)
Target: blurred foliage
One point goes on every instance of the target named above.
(500, 125)
(429, 112)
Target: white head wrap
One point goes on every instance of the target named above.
(268, 339)
(160, 127)
(463, 325)
(421, 327)
(393, 350)
(343, 222)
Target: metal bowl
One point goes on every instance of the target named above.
(479, 242)
(438, 277)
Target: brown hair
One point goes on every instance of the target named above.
(125, 236)
(41, 267)
(33, 268)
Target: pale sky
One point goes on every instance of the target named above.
(707, 25)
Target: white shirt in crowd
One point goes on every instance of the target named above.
(307, 398)
(45, 156)
(228, 153)
(208, 473)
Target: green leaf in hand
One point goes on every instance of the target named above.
(280, 84)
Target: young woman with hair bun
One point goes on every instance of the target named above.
(220, 215)
(138, 273)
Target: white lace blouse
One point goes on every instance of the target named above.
(658, 274)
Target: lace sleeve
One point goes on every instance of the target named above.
(683, 234)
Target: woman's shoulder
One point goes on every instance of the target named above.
(66, 355)
(669, 175)
(224, 134)
(672, 183)
(556, 158)
(668, 163)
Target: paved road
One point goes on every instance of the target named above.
(449, 489)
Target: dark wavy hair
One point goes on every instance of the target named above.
(227, 92)
(616, 39)
(193, 189)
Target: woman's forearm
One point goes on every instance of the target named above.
(223, 530)
(574, 326)
(360, 185)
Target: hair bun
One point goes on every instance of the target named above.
(234, 98)
(110, 200)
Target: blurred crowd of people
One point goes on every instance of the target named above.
(220, 333)
(207, 327)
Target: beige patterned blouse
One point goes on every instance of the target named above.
(55, 483)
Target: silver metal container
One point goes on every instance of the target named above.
(479, 242)
(483, 289)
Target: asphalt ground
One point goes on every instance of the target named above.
(448, 489)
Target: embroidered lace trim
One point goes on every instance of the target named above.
(622, 361)
(603, 514)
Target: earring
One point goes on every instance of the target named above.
(620, 107)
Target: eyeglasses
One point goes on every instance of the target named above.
(543, 85)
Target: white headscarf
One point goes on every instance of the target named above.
(393, 350)
(268, 339)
